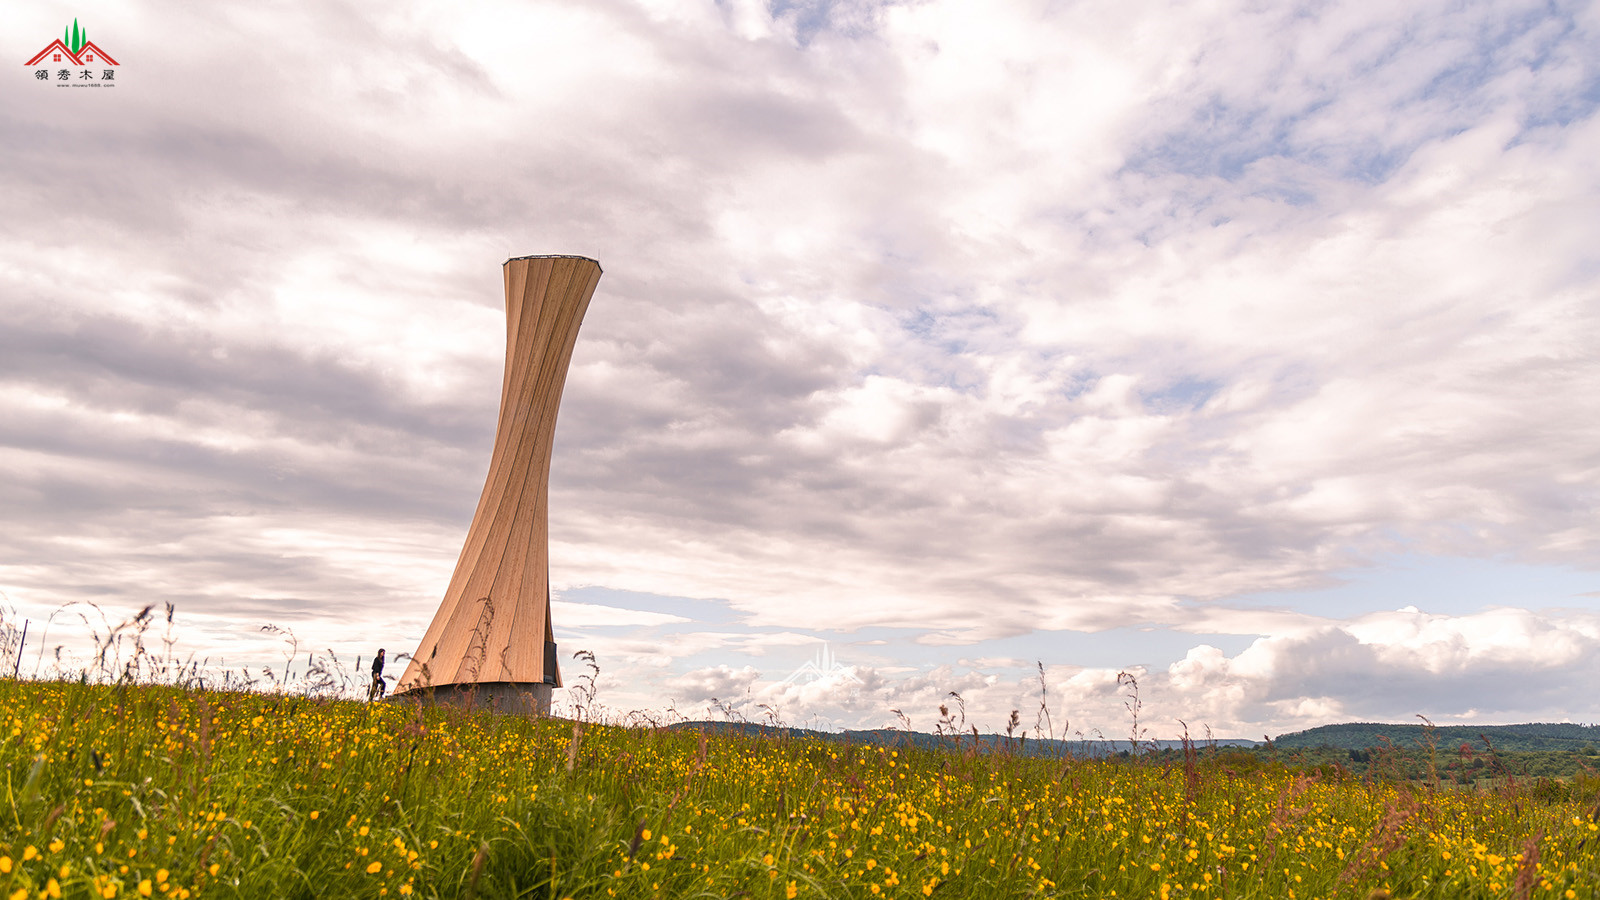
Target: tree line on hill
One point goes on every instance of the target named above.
(1535, 737)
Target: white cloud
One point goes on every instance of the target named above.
(595, 615)
(937, 316)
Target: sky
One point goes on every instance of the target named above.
(995, 349)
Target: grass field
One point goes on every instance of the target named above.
(155, 791)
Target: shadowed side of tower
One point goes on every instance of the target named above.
(491, 643)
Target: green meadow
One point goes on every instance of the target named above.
(153, 791)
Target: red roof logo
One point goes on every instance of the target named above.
(72, 47)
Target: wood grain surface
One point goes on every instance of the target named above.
(495, 617)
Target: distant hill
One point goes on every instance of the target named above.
(988, 743)
(1510, 738)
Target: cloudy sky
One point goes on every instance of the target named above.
(1250, 348)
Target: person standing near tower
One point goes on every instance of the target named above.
(376, 690)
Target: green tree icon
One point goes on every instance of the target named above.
(75, 38)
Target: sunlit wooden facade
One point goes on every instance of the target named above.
(491, 639)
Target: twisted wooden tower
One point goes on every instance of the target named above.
(490, 643)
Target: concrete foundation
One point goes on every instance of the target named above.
(507, 697)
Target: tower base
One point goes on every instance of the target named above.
(515, 698)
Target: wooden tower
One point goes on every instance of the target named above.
(490, 643)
